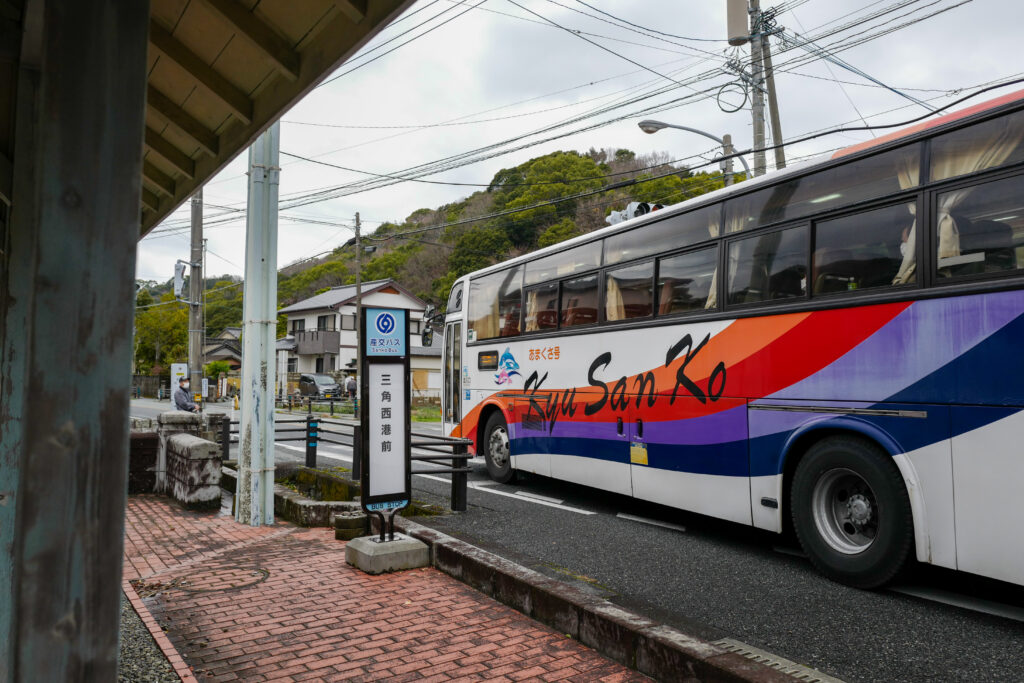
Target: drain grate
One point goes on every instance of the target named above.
(797, 671)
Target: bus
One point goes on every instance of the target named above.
(836, 348)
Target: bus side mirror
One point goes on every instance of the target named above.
(427, 336)
(429, 312)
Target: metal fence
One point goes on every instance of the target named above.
(314, 430)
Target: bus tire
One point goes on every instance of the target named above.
(497, 449)
(851, 512)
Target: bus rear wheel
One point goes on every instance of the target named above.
(851, 512)
(497, 449)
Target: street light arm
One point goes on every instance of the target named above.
(651, 126)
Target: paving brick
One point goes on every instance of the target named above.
(312, 617)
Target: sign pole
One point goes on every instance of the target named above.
(384, 415)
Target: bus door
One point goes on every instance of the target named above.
(451, 382)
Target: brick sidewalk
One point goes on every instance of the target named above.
(279, 603)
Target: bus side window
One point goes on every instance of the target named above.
(768, 267)
(685, 281)
(579, 301)
(629, 292)
(495, 301)
(980, 229)
(864, 251)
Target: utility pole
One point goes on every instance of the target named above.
(255, 491)
(773, 102)
(757, 96)
(359, 306)
(196, 330)
(727, 150)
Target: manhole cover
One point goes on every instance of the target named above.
(221, 579)
(208, 579)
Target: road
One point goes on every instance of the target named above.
(721, 580)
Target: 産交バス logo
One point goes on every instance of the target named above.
(385, 323)
(507, 368)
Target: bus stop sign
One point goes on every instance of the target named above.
(384, 412)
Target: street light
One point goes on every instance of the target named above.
(652, 126)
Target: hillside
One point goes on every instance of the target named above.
(431, 248)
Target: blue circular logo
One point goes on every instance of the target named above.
(385, 323)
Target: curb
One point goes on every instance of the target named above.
(661, 652)
(162, 641)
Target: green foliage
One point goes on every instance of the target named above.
(223, 306)
(476, 249)
(301, 285)
(388, 264)
(214, 368)
(548, 177)
(161, 334)
(559, 232)
(442, 287)
(282, 326)
(624, 155)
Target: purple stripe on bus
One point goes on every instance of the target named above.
(921, 339)
(726, 425)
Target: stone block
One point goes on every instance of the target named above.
(348, 534)
(193, 470)
(367, 554)
(351, 520)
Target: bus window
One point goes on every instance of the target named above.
(494, 304)
(768, 267)
(981, 228)
(579, 301)
(664, 235)
(874, 176)
(863, 251)
(561, 264)
(685, 281)
(541, 308)
(455, 299)
(988, 144)
(629, 292)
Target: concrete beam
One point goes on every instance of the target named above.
(171, 154)
(259, 35)
(6, 178)
(163, 183)
(150, 200)
(182, 121)
(355, 10)
(205, 75)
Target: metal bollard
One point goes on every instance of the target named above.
(332, 407)
(225, 438)
(460, 480)
(312, 434)
(357, 460)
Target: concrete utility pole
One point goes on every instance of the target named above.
(359, 302)
(196, 330)
(773, 103)
(255, 492)
(757, 96)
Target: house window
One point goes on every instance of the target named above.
(320, 364)
(325, 322)
(348, 322)
(298, 326)
(414, 327)
(293, 365)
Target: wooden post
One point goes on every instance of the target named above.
(67, 291)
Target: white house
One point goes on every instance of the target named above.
(322, 328)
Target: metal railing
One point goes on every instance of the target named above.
(314, 430)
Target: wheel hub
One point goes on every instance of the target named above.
(498, 447)
(859, 509)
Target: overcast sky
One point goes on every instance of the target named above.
(498, 71)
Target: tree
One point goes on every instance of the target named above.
(214, 368)
(544, 178)
(161, 334)
(559, 232)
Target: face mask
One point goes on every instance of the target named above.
(185, 385)
(903, 248)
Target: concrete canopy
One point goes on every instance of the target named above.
(219, 72)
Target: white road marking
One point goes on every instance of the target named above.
(485, 486)
(962, 601)
(652, 522)
(535, 496)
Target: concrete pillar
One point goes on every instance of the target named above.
(66, 305)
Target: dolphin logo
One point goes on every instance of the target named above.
(507, 368)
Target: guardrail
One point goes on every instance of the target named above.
(314, 430)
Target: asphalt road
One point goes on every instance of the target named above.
(721, 580)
